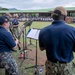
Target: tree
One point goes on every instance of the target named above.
(3, 8)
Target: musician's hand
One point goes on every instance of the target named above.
(16, 41)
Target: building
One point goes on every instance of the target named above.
(42, 13)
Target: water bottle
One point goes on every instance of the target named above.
(40, 71)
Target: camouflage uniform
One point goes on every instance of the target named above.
(8, 62)
(59, 68)
(16, 31)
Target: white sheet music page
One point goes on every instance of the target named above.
(34, 33)
(37, 35)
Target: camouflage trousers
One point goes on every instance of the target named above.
(8, 62)
(59, 68)
(16, 31)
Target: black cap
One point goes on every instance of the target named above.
(4, 19)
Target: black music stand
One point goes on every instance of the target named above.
(23, 32)
(33, 34)
(27, 24)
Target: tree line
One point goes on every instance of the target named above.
(3, 8)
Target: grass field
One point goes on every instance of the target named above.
(23, 63)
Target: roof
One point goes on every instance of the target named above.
(35, 11)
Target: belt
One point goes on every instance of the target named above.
(59, 62)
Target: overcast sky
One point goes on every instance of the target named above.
(35, 4)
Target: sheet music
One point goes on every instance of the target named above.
(37, 34)
(34, 33)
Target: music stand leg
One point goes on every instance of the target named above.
(36, 65)
(25, 49)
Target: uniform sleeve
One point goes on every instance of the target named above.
(40, 40)
(74, 41)
(18, 22)
(9, 40)
(12, 21)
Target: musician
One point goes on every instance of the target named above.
(10, 18)
(58, 40)
(8, 15)
(7, 45)
(15, 24)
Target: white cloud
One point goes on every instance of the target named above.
(72, 4)
(36, 4)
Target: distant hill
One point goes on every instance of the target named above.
(12, 9)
